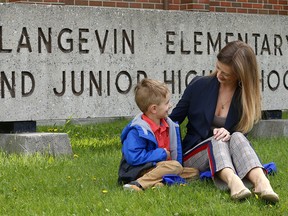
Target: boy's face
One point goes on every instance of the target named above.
(162, 110)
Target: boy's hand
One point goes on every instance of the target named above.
(168, 154)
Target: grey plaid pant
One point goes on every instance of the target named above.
(236, 154)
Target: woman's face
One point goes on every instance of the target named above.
(225, 74)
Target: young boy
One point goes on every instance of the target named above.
(151, 142)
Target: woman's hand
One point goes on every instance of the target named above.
(221, 134)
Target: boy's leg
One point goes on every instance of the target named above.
(155, 175)
(190, 173)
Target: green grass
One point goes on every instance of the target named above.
(85, 183)
(284, 114)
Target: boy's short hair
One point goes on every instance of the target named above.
(148, 92)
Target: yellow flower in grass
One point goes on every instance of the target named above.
(50, 160)
(104, 191)
(52, 130)
(75, 156)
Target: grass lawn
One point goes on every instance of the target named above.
(85, 183)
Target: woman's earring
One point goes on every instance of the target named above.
(240, 84)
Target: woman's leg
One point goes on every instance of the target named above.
(243, 155)
(248, 165)
(216, 155)
(225, 171)
(238, 190)
(259, 180)
(262, 185)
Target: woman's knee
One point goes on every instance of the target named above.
(237, 136)
(239, 141)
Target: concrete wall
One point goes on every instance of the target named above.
(58, 62)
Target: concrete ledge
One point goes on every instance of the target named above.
(270, 128)
(28, 143)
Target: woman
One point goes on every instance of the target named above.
(221, 108)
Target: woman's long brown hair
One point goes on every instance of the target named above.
(242, 59)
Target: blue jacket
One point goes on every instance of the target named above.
(198, 104)
(140, 149)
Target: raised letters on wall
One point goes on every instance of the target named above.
(59, 62)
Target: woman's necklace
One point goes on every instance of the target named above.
(228, 93)
(223, 104)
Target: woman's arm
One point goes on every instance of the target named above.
(180, 112)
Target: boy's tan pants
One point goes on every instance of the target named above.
(153, 176)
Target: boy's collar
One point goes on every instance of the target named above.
(153, 125)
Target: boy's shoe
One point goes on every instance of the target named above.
(133, 186)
